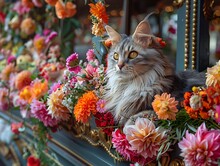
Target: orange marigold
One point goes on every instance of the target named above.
(70, 9)
(51, 2)
(35, 90)
(165, 106)
(197, 104)
(65, 10)
(39, 44)
(7, 71)
(85, 106)
(98, 10)
(23, 79)
(55, 106)
(39, 88)
(27, 3)
(26, 94)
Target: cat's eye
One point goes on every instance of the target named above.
(133, 54)
(116, 56)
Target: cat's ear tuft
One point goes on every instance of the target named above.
(142, 34)
(114, 36)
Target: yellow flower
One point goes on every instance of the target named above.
(98, 29)
(55, 106)
(165, 106)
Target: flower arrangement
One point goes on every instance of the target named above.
(51, 92)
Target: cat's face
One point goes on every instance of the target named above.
(122, 57)
(129, 59)
(132, 56)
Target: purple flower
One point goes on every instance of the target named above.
(11, 59)
(46, 32)
(51, 36)
(72, 63)
(100, 106)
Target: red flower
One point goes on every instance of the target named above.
(213, 94)
(172, 30)
(2, 17)
(106, 121)
(161, 42)
(32, 161)
(15, 127)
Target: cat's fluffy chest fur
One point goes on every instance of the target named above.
(130, 91)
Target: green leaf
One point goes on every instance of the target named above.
(75, 23)
(99, 49)
(20, 50)
(34, 75)
(191, 128)
(39, 29)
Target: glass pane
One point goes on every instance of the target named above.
(163, 25)
(214, 30)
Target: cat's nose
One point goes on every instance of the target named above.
(121, 65)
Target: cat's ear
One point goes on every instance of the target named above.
(142, 34)
(114, 36)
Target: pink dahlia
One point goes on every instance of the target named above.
(121, 144)
(91, 70)
(39, 111)
(90, 55)
(201, 149)
(20, 8)
(72, 63)
(217, 114)
(54, 87)
(144, 137)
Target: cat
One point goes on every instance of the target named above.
(137, 70)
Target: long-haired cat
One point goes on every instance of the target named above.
(137, 71)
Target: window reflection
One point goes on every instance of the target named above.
(163, 25)
(214, 30)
